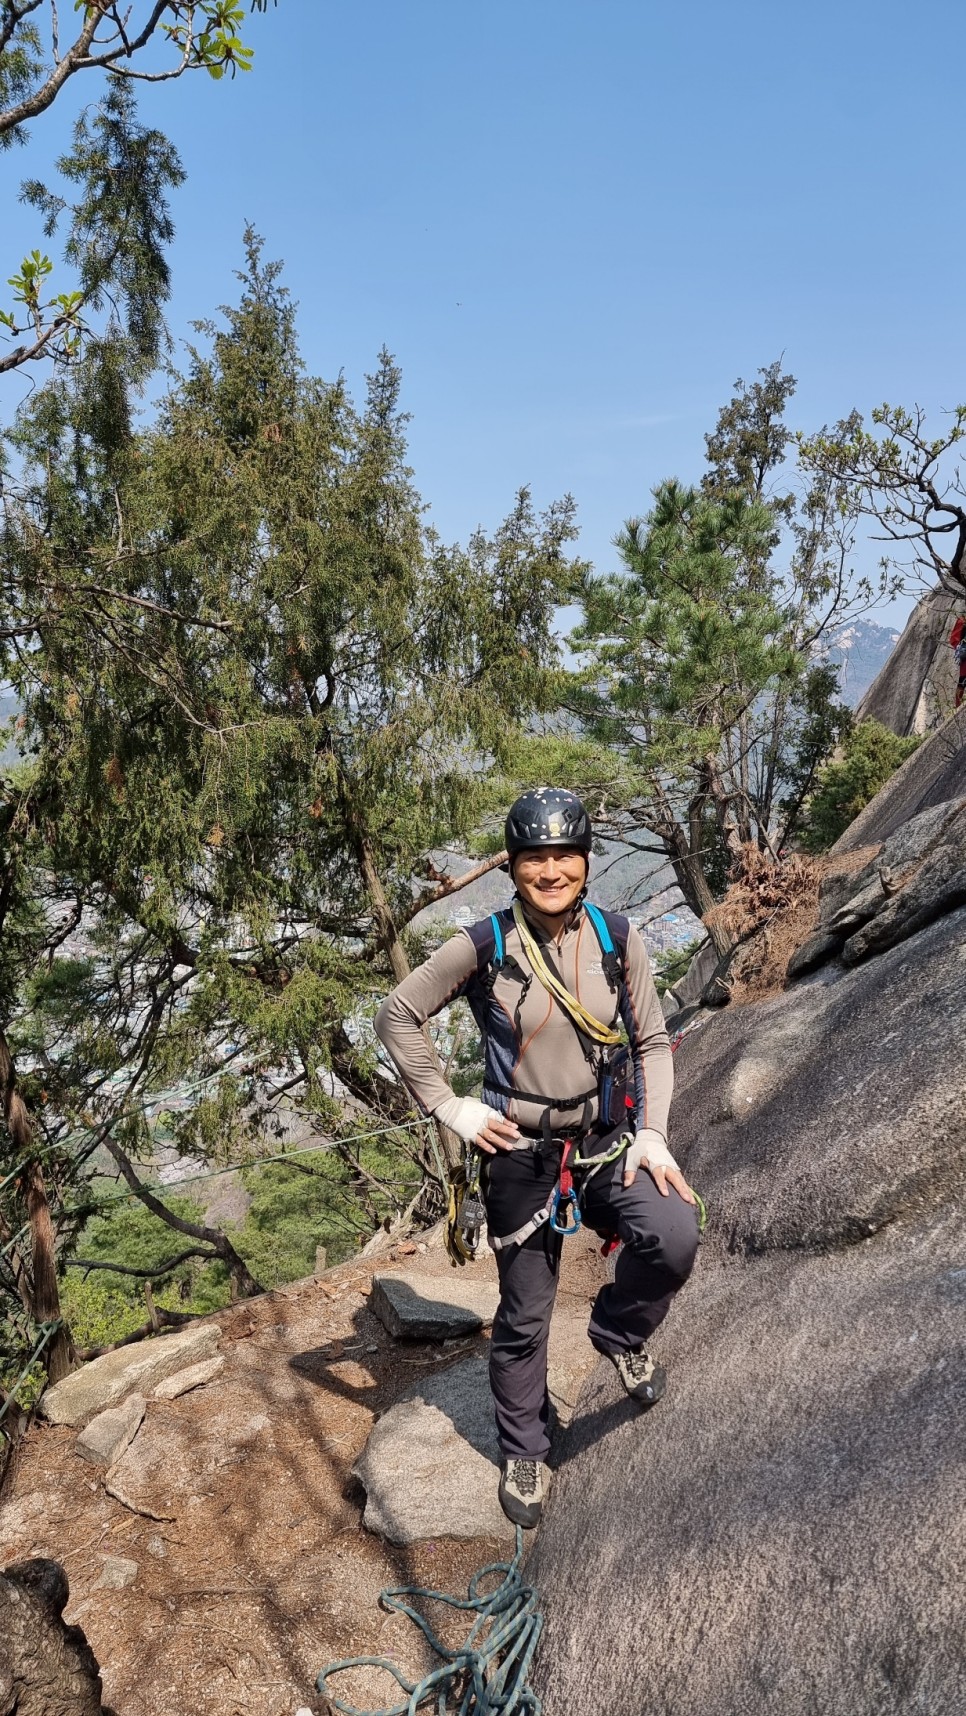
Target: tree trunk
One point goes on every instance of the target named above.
(388, 935)
(684, 853)
(43, 1298)
(721, 801)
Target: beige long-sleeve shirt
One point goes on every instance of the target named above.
(530, 1043)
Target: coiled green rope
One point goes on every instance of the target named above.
(486, 1675)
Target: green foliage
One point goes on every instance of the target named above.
(871, 755)
(701, 670)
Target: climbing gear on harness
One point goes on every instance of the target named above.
(487, 1674)
(643, 1380)
(521, 1492)
(575, 1010)
(564, 1196)
(466, 1213)
(547, 816)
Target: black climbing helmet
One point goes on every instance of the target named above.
(547, 816)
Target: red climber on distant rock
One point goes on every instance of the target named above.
(957, 643)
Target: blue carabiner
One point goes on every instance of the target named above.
(559, 1198)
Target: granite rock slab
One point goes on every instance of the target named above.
(106, 1436)
(431, 1465)
(194, 1376)
(421, 1308)
(108, 1380)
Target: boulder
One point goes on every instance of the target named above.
(420, 1308)
(195, 1376)
(783, 1534)
(431, 1465)
(816, 951)
(935, 889)
(107, 1435)
(136, 1369)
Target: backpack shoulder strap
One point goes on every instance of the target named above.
(611, 930)
(489, 940)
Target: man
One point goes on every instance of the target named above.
(548, 1006)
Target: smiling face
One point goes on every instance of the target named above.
(551, 880)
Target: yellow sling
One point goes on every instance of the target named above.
(584, 1021)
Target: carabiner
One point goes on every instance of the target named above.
(559, 1198)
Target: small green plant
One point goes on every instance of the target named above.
(870, 755)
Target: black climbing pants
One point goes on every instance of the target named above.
(659, 1240)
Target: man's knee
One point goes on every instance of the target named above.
(670, 1246)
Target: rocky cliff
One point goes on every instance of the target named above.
(914, 691)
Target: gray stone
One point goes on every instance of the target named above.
(816, 951)
(420, 1308)
(431, 1465)
(107, 1435)
(118, 1573)
(136, 1369)
(195, 1376)
(935, 889)
(795, 1504)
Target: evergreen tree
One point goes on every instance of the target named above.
(259, 695)
(704, 668)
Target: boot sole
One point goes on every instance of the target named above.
(519, 1513)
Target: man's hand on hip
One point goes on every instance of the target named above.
(650, 1151)
(476, 1123)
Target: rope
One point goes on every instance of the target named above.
(485, 1675)
(584, 1020)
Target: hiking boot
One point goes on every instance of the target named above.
(521, 1492)
(643, 1380)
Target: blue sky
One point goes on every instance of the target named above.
(575, 224)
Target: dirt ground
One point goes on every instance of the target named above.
(259, 1571)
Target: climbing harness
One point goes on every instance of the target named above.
(484, 1676)
(466, 1212)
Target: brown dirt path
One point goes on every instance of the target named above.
(262, 1572)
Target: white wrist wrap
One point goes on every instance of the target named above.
(465, 1115)
(648, 1151)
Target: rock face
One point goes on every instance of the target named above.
(46, 1667)
(784, 1535)
(919, 874)
(415, 1309)
(933, 775)
(916, 686)
(431, 1465)
(109, 1379)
